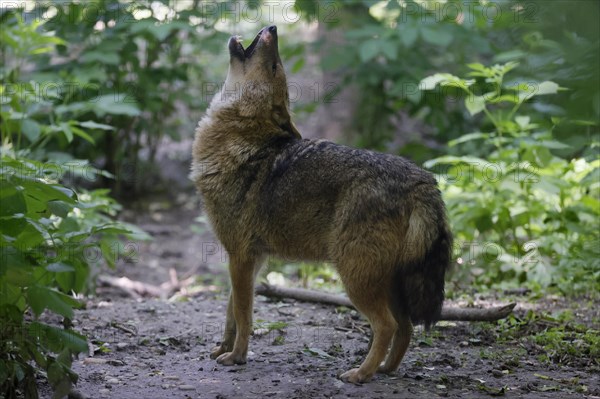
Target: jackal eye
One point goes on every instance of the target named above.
(274, 68)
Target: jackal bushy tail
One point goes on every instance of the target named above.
(418, 284)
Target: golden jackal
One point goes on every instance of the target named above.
(379, 218)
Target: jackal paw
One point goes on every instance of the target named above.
(354, 376)
(218, 351)
(230, 358)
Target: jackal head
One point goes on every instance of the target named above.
(256, 84)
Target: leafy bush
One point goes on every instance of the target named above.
(522, 214)
(386, 49)
(388, 46)
(51, 235)
(126, 67)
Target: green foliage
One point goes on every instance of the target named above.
(51, 232)
(521, 213)
(558, 338)
(269, 326)
(310, 274)
(124, 66)
(50, 237)
(389, 45)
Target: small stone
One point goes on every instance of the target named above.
(261, 331)
(116, 363)
(113, 381)
(497, 373)
(121, 346)
(187, 388)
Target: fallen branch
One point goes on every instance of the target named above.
(137, 289)
(448, 313)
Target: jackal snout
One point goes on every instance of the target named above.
(257, 79)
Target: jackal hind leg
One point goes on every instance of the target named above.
(400, 343)
(372, 302)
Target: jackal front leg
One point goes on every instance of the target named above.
(229, 333)
(242, 272)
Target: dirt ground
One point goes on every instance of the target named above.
(159, 348)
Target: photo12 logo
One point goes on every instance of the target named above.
(268, 11)
(468, 11)
(315, 92)
(480, 170)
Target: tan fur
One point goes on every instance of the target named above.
(377, 217)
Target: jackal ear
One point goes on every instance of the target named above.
(283, 120)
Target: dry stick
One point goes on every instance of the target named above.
(138, 289)
(455, 314)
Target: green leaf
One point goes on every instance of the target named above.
(430, 82)
(484, 221)
(45, 192)
(436, 36)
(17, 275)
(522, 121)
(539, 156)
(82, 134)
(162, 31)
(31, 129)
(36, 299)
(66, 129)
(444, 79)
(59, 267)
(368, 50)
(59, 337)
(97, 57)
(95, 125)
(390, 50)
(554, 145)
(32, 235)
(546, 87)
(12, 200)
(40, 298)
(509, 55)
(475, 104)
(408, 36)
(60, 208)
(469, 137)
(117, 104)
(318, 352)
(476, 66)
(477, 163)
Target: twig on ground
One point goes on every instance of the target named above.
(448, 313)
(137, 289)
